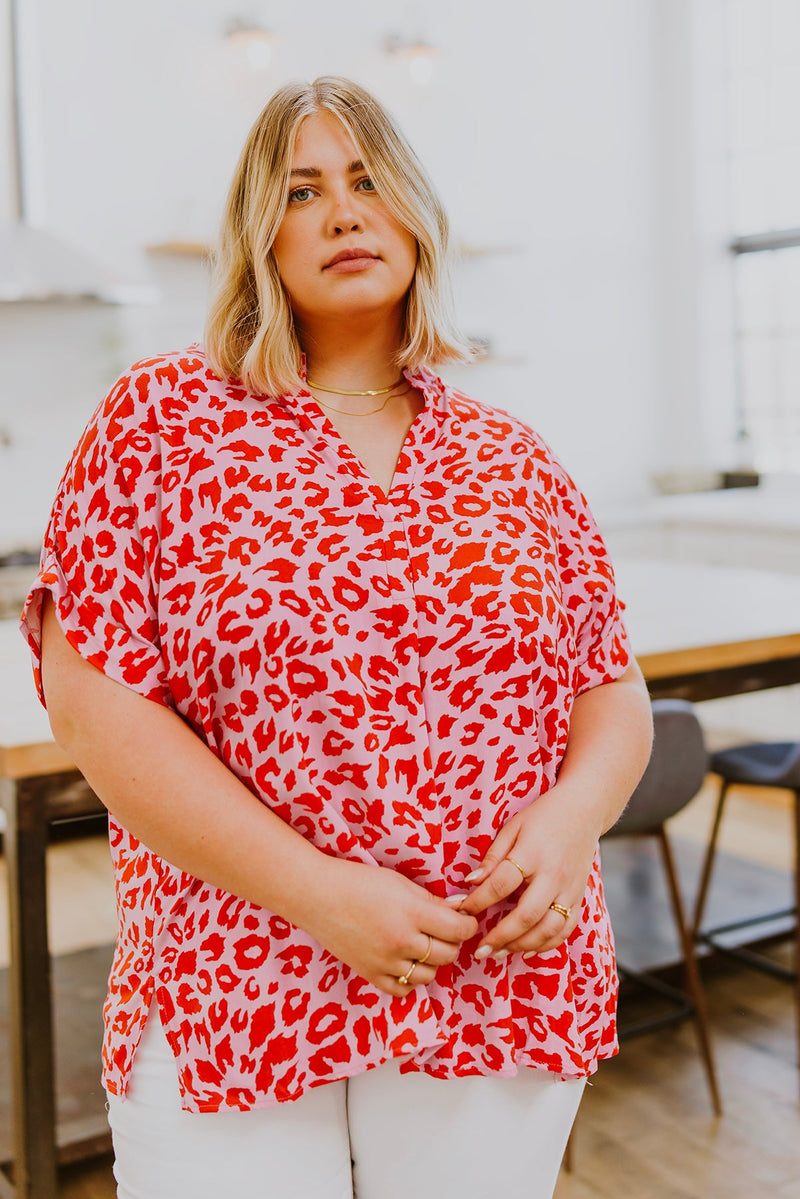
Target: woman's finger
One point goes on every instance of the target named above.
(435, 952)
(532, 924)
(447, 923)
(505, 878)
(495, 854)
(421, 970)
(415, 974)
(420, 977)
(547, 934)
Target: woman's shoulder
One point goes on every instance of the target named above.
(184, 371)
(476, 418)
(166, 387)
(500, 436)
(182, 362)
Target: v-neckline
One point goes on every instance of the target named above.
(346, 450)
(321, 421)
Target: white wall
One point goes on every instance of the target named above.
(6, 197)
(547, 127)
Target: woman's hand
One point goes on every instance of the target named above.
(545, 853)
(378, 922)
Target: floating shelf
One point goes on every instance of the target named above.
(470, 251)
(183, 249)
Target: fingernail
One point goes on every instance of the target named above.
(475, 876)
(530, 954)
(483, 952)
(501, 953)
(456, 899)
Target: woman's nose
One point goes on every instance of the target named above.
(343, 216)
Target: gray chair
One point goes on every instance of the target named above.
(764, 764)
(673, 777)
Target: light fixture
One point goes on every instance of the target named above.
(416, 52)
(254, 41)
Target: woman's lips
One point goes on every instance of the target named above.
(348, 265)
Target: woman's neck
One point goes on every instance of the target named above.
(337, 358)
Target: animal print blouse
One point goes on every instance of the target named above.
(392, 674)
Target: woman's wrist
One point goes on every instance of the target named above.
(314, 891)
(580, 802)
(608, 748)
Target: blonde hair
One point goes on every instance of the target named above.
(250, 333)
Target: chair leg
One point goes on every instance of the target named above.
(693, 980)
(708, 861)
(568, 1160)
(797, 910)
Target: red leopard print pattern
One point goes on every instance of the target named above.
(393, 675)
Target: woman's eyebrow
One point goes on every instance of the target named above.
(315, 173)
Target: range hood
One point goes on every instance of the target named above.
(35, 264)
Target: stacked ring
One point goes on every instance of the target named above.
(417, 962)
(404, 979)
(562, 911)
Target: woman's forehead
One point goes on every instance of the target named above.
(321, 137)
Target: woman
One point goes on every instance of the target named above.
(340, 651)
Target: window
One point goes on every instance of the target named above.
(764, 123)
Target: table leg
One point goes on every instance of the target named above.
(30, 998)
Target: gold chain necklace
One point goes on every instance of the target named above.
(340, 391)
(344, 411)
(347, 412)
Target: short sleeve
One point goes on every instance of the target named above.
(100, 555)
(587, 585)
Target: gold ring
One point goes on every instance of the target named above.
(422, 961)
(404, 978)
(519, 868)
(562, 911)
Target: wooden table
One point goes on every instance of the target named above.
(703, 632)
(698, 632)
(38, 785)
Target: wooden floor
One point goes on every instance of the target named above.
(646, 1129)
(88, 1181)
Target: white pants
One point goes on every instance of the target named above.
(380, 1135)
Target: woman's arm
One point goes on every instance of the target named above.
(554, 840)
(166, 787)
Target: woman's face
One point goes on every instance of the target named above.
(340, 253)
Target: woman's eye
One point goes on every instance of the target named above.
(366, 185)
(299, 194)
